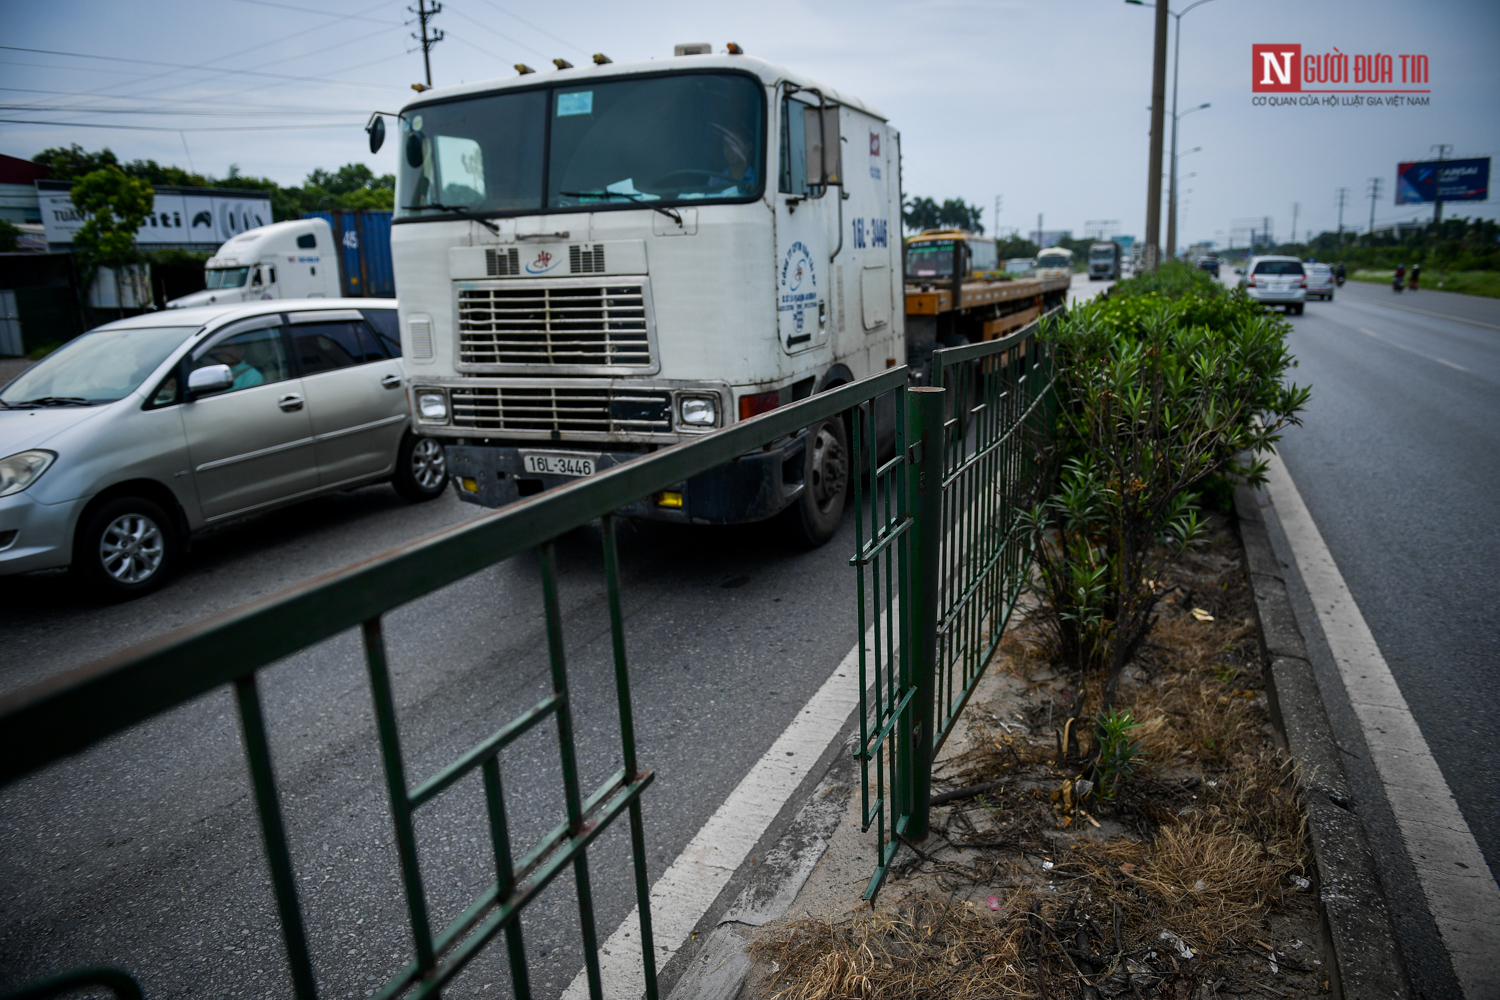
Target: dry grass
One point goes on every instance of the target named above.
(1214, 832)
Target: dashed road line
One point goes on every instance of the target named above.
(1428, 312)
(1412, 350)
(1460, 890)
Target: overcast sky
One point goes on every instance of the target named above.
(1044, 103)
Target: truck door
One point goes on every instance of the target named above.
(803, 284)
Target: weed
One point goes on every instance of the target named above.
(1119, 752)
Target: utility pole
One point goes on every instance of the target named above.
(998, 199)
(1296, 206)
(1343, 196)
(424, 14)
(1374, 197)
(1039, 243)
(1437, 213)
(1151, 252)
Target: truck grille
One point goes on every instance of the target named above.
(554, 326)
(562, 410)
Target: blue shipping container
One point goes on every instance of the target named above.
(364, 240)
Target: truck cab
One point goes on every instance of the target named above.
(285, 260)
(598, 262)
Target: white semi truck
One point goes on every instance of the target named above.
(598, 262)
(285, 260)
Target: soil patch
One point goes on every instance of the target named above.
(1192, 880)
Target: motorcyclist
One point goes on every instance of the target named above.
(1338, 272)
(1416, 276)
(1398, 278)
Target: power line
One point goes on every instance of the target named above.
(497, 34)
(320, 13)
(177, 101)
(180, 66)
(163, 128)
(544, 31)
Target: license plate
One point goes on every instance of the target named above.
(559, 465)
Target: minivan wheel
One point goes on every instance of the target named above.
(421, 468)
(126, 548)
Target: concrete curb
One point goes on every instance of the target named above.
(1365, 960)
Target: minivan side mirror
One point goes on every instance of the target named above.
(209, 378)
(414, 150)
(376, 128)
(1239, 270)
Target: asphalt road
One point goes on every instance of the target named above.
(1397, 464)
(145, 851)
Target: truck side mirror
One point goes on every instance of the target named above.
(376, 129)
(208, 379)
(824, 150)
(414, 150)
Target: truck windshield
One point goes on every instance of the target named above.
(99, 367)
(1102, 254)
(1054, 261)
(611, 143)
(227, 277)
(929, 260)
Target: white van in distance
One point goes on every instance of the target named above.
(285, 260)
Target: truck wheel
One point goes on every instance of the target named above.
(126, 548)
(421, 468)
(815, 516)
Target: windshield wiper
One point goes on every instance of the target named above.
(637, 198)
(457, 210)
(54, 401)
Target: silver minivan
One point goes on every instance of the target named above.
(120, 444)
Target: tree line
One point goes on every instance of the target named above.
(352, 187)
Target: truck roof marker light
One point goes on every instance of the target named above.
(735, 50)
(523, 69)
(758, 403)
(562, 64)
(600, 59)
(669, 498)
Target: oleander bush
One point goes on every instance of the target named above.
(1160, 389)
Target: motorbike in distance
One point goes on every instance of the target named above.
(1398, 280)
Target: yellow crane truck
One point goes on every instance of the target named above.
(955, 294)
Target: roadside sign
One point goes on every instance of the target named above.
(1450, 180)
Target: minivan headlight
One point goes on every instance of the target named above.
(698, 411)
(22, 469)
(432, 406)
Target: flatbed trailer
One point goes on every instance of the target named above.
(952, 313)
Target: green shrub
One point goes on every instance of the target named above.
(1156, 397)
(1173, 279)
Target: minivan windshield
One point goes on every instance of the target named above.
(1278, 267)
(227, 277)
(607, 143)
(98, 367)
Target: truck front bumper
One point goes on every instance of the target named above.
(753, 487)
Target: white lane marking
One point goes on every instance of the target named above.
(688, 888)
(1413, 350)
(1461, 893)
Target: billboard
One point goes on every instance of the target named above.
(1450, 180)
(206, 216)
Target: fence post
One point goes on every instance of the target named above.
(927, 535)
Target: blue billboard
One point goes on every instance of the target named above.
(1450, 180)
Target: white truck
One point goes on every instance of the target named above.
(1104, 261)
(285, 260)
(598, 262)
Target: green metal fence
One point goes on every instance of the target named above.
(999, 411)
(49, 721)
(941, 562)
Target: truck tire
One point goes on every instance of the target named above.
(815, 515)
(421, 468)
(126, 548)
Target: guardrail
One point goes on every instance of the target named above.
(942, 473)
(56, 718)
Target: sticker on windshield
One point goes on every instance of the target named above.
(578, 103)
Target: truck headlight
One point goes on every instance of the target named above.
(432, 406)
(22, 469)
(698, 411)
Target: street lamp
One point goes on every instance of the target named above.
(1176, 58)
